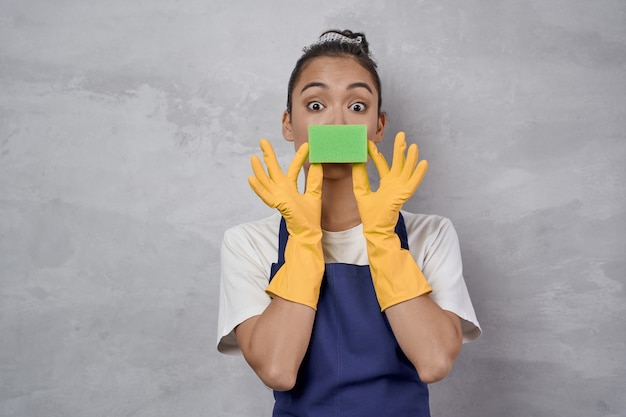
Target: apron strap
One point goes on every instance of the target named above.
(283, 235)
(401, 232)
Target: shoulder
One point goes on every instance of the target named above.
(259, 232)
(255, 228)
(424, 221)
(425, 230)
(248, 251)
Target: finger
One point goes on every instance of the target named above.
(418, 175)
(399, 146)
(297, 162)
(270, 160)
(409, 163)
(314, 180)
(267, 197)
(360, 180)
(259, 171)
(378, 158)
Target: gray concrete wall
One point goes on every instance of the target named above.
(125, 133)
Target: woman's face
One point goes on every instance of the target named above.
(333, 90)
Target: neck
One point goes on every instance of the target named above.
(339, 208)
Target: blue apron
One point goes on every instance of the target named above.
(354, 365)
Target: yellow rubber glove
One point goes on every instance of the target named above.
(300, 277)
(395, 274)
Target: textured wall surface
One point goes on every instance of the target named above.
(125, 133)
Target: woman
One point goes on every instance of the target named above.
(365, 305)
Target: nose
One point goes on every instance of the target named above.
(336, 117)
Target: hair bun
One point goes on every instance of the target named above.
(341, 37)
(357, 36)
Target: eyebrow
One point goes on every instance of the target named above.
(314, 84)
(361, 85)
(324, 86)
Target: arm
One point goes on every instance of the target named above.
(275, 342)
(429, 336)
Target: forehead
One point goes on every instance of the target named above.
(334, 70)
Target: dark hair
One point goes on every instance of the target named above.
(337, 48)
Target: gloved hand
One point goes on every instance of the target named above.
(395, 274)
(300, 277)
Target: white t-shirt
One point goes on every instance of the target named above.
(249, 249)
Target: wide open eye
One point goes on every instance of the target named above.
(358, 107)
(315, 106)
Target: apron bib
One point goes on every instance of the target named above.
(354, 366)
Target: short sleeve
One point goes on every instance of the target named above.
(439, 254)
(246, 255)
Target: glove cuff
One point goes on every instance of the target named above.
(395, 274)
(300, 278)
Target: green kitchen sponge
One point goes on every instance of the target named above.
(337, 143)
